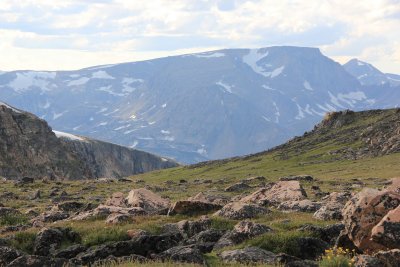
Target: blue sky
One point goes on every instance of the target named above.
(72, 34)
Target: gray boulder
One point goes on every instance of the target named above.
(248, 255)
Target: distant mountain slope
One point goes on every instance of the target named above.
(199, 106)
(344, 145)
(369, 75)
(28, 147)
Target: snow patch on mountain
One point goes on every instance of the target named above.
(25, 80)
(77, 82)
(58, 115)
(68, 136)
(252, 59)
(300, 114)
(307, 86)
(108, 90)
(101, 74)
(208, 55)
(276, 72)
(226, 87)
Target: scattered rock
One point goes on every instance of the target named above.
(305, 178)
(51, 216)
(135, 233)
(117, 199)
(240, 211)
(248, 255)
(8, 254)
(37, 261)
(49, 239)
(332, 206)
(103, 211)
(188, 228)
(4, 211)
(118, 218)
(147, 200)
(186, 254)
(70, 206)
(35, 195)
(237, 187)
(216, 199)
(278, 193)
(328, 233)
(70, 252)
(187, 207)
(367, 261)
(363, 212)
(304, 205)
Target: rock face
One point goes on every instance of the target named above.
(365, 211)
(29, 147)
(280, 192)
(304, 205)
(148, 201)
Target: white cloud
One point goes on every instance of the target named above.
(119, 30)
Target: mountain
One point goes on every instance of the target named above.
(369, 75)
(196, 107)
(343, 145)
(29, 147)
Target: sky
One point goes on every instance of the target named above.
(73, 34)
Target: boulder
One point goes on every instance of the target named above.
(205, 240)
(328, 233)
(310, 248)
(51, 216)
(148, 201)
(390, 258)
(304, 205)
(216, 199)
(240, 211)
(37, 261)
(69, 252)
(387, 231)
(305, 178)
(188, 207)
(186, 254)
(237, 187)
(117, 199)
(367, 261)
(4, 211)
(50, 239)
(188, 228)
(332, 206)
(103, 211)
(35, 195)
(242, 231)
(278, 193)
(116, 218)
(394, 185)
(248, 255)
(363, 212)
(8, 254)
(70, 206)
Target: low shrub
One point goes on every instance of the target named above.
(337, 258)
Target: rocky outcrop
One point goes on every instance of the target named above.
(248, 255)
(280, 192)
(188, 207)
(148, 201)
(29, 147)
(332, 206)
(366, 210)
(387, 231)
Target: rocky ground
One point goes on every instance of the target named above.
(288, 222)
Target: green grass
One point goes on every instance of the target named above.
(13, 219)
(24, 241)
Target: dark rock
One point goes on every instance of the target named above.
(188, 228)
(344, 241)
(52, 216)
(35, 195)
(305, 178)
(186, 254)
(69, 252)
(71, 206)
(116, 261)
(282, 259)
(311, 248)
(187, 207)
(8, 254)
(328, 233)
(118, 218)
(248, 255)
(304, 205)
(390, 258)
(367, 261)
(387, 231)
(37, 261)
(49, 239)
(237, 187)
(207, 236)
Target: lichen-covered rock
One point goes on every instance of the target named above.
(240, 211)
(390, 258)
(186, 254)
(364, 211)
(332, 206)
(103, 210)
(37, 261)
(367, 261)
(248, 255)
(237, 187)
(147, 200)
(188, 228)
(117, 199)
(8, 254)
(387, 231)
(118, 218)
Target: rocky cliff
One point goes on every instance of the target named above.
(29, 147)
